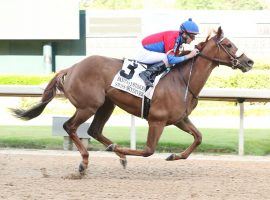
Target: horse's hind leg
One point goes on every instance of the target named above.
(154, 132)
(187, 126)
(95, 130)
(80, 116)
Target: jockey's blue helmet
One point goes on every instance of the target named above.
(190, 27)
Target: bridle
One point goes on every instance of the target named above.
(234, 63)
(234, 60)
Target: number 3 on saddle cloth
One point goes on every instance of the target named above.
(128, 80)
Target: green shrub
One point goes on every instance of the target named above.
(261, 65)
(178, 4)
(258, 79)
(255, 80)
(221, 4)
(24, 79)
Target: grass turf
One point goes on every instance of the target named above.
(257, 141)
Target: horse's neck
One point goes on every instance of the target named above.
(201, 71)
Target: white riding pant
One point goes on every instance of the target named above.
(150, 57)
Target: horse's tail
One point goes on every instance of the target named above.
(48, 94)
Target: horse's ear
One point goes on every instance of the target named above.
(220, 33)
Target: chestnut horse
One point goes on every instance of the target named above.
(87, 85)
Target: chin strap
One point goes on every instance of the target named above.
(179, 41)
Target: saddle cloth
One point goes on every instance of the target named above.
(128, 79)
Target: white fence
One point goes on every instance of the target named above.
(235, 95)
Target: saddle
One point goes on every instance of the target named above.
(128, 80)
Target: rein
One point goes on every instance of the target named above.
(187, 84)
(233, 59)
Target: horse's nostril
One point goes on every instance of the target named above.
(250, 62)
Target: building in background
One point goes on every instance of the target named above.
(40, 36)
(37, 36)
(118, 33)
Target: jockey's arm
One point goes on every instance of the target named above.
(172, 59)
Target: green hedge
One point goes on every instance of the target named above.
(261, 65)
(178, 4)
(24, 80)
(259, 79)
(256, 80)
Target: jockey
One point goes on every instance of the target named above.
(161, 50)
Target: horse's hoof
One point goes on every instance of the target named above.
(82, 168)
(111, 147)
(171, 157)
(123, 162)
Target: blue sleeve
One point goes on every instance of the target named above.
(175, 59)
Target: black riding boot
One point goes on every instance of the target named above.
(148, 76)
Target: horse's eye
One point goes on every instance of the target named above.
(229, 45)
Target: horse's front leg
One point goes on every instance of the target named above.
(187, 126)
(154, 132)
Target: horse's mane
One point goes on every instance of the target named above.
(201, 45)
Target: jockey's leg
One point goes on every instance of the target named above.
(154, 132)
(151, 57)
(148, 76)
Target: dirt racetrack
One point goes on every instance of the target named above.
(27, 174)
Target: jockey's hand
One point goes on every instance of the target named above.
(193, 53)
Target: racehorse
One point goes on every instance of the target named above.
(87, 85)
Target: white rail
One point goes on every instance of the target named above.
(236, 95)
